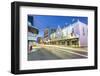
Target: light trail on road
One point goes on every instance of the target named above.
(59, 49)
(54, 53)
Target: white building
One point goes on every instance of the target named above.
(81, 31)
(74, 34)
(77, 30)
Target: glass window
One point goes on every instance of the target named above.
(83, 31)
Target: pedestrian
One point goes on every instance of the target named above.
(30, 48)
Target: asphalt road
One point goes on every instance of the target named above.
(52, 53)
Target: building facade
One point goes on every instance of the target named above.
(46, 35)
(32, 33)
(39, 40)
(75, 35)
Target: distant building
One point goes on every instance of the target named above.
(46, 35)
(52, 30)
(52, 34)
(39, 40)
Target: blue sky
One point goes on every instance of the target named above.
(46, 21)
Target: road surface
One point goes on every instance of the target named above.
(53, 53)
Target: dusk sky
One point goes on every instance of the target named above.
(43, 21)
